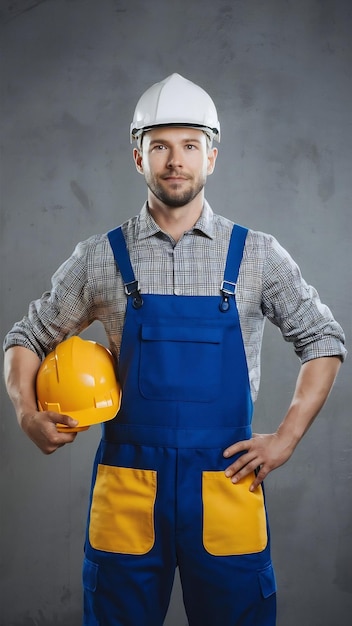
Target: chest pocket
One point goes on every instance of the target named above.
(180, 363)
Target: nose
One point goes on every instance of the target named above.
(175, 159)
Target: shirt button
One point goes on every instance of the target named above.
(177, 292)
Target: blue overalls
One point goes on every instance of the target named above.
(159, 497)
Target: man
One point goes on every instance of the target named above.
(183, 295)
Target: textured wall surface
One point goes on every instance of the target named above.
(280, 74)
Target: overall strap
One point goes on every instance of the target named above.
(233, 262)
(122, 259)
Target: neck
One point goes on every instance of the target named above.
(175, 221)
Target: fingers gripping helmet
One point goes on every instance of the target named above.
(78, 379)
(175, 101)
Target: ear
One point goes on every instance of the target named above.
(137, 157)
(212, 154)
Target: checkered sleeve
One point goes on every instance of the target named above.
(66, 309)
(295, 307)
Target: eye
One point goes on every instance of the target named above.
(190, 146)
(159, 147)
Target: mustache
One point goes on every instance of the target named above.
(175, 173)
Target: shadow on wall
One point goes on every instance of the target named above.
(10, 10)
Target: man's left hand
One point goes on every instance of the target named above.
(262, 453)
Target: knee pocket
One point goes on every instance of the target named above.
(89, 579)
(267, 581)
(122, 510)
(234, 519)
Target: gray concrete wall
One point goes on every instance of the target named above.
(280, 73)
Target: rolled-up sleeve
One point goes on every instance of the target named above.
(295, 307)
(66, 309)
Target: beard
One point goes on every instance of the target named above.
(175, 196)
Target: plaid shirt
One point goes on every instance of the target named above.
(88, 287)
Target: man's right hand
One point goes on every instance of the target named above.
(20, 370)
(40, 427)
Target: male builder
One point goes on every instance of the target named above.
(182, 294)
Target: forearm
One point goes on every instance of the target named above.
(269, 451)
(20, 369)
(314, 383)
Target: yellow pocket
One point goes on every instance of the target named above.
(234, 520)
(122, 511)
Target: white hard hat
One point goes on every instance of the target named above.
(175, 101)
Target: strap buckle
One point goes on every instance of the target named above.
(227, 289)
(132, 289)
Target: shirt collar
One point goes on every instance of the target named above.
(147, 227)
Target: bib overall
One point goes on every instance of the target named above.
(159, 496)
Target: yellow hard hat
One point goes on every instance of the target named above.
(78, 379)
